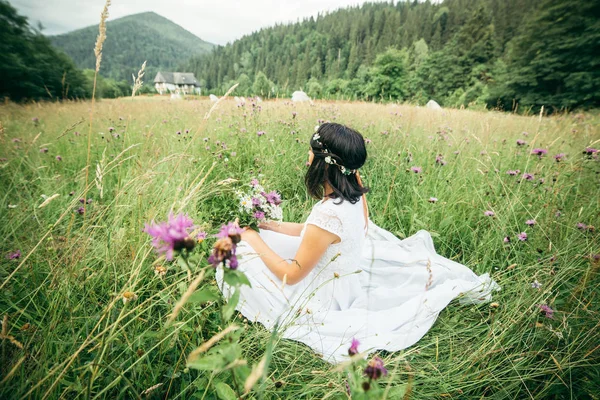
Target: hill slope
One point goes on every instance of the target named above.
(130, 41)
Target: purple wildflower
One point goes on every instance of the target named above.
(201, 236)
(171, 236)
(259, 215)
(111, 129)
(521, 142)
(367, 141)
(513, 172)
(44, 150)
(16, 140)
(525, 133)
(581, 226)
(589, 151)
(530, 222)
(559, 157)
(81, 210)
(260, 133)
(353, 347)
(273, 198)
(546, 310)
(440, 160)
(294, 113)
(557, 214)
(58, 158)
(416, 170)
(506, 239)
(432, 199)
(522, 236)
(527, 176)
(539, 152)
(254, 182)
(14, 255)
(488, 213)
(230, 230)
(178, 132)
(375, 369)
(35, 120)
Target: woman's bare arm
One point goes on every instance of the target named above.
(287, 228)
(312, 247)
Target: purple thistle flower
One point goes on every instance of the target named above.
(35, 120)
(416, 170)
(513, 172)
(521, 142)
(367, 140)
(432, 199)
(440, 160)
(273, 198)
(231, 229)
(81, 210)
(506, 239)
(14, 255)
(522, 236)
(527, 176)
(260, 133)
(353, 347)
(201, 236)
(76, 133)
(179, 132)
(44, 150)
(110, 129)
(16, 140)
(256, 201)
(546, 310)
(589, 151)
(375, 369)
(539, 152)
(294, 113)
(530, 222)
(581, 226)
(559, 157)
(233, 262)
(187, 131)
(254, 182)
(259, 215)
(58, 158)
(171, 236)
(488, 213)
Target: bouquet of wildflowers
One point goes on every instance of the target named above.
(258, 206)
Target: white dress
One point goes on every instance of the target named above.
(381, 290)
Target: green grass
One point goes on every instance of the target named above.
(63, 297)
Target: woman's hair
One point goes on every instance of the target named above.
(346, 148)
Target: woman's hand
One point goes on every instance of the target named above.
(249, 235)
(269, 225)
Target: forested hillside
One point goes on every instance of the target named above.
(496, 53)
(130, 41)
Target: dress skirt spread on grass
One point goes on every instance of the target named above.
(374, 287)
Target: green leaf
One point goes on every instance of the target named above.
(183, 264)
(202, 296)
(235, 278)
(209, 362)
(229, 308)
(225, 392)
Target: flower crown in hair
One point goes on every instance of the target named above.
(329, 159)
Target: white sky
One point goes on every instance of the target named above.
(216, 21)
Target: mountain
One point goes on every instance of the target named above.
(130, 41)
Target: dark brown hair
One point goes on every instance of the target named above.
(347, 147)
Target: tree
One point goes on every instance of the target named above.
(262, 85)
(388, 75)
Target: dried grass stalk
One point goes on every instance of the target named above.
(191, 289)
(257, 372)
(137, 82)
(48, 200)
(101, 35)
(210, 342)
(231, 89)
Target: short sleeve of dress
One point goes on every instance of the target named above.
(326, 217)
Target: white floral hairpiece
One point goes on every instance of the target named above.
(329, 159)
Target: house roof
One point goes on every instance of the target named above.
(176, 78)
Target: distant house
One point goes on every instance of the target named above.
(176, 82)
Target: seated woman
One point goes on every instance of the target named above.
(338, 276)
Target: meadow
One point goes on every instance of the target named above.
(73, 245)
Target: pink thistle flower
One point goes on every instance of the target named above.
(506, 239)
(111, 129)
(522, 236)
(14, 255)
(527, 176)
(260, 133)
(171, 236)
(559, 157)
(375, 369)
(512, 172)
(489, 213)
(44, 150)
(581, 226)
(58, 158)
(273, 198)
(549, 313)
(521, 142)
(353, 347)
(589, 151)
(231, 229)
(254, 182)
(416, 170)
(367, 141)
(259, 215)
(440, 160)
(432, 199)
(539, 152)
(81, 210)
(530, 222)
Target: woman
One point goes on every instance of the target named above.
(338, 276)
